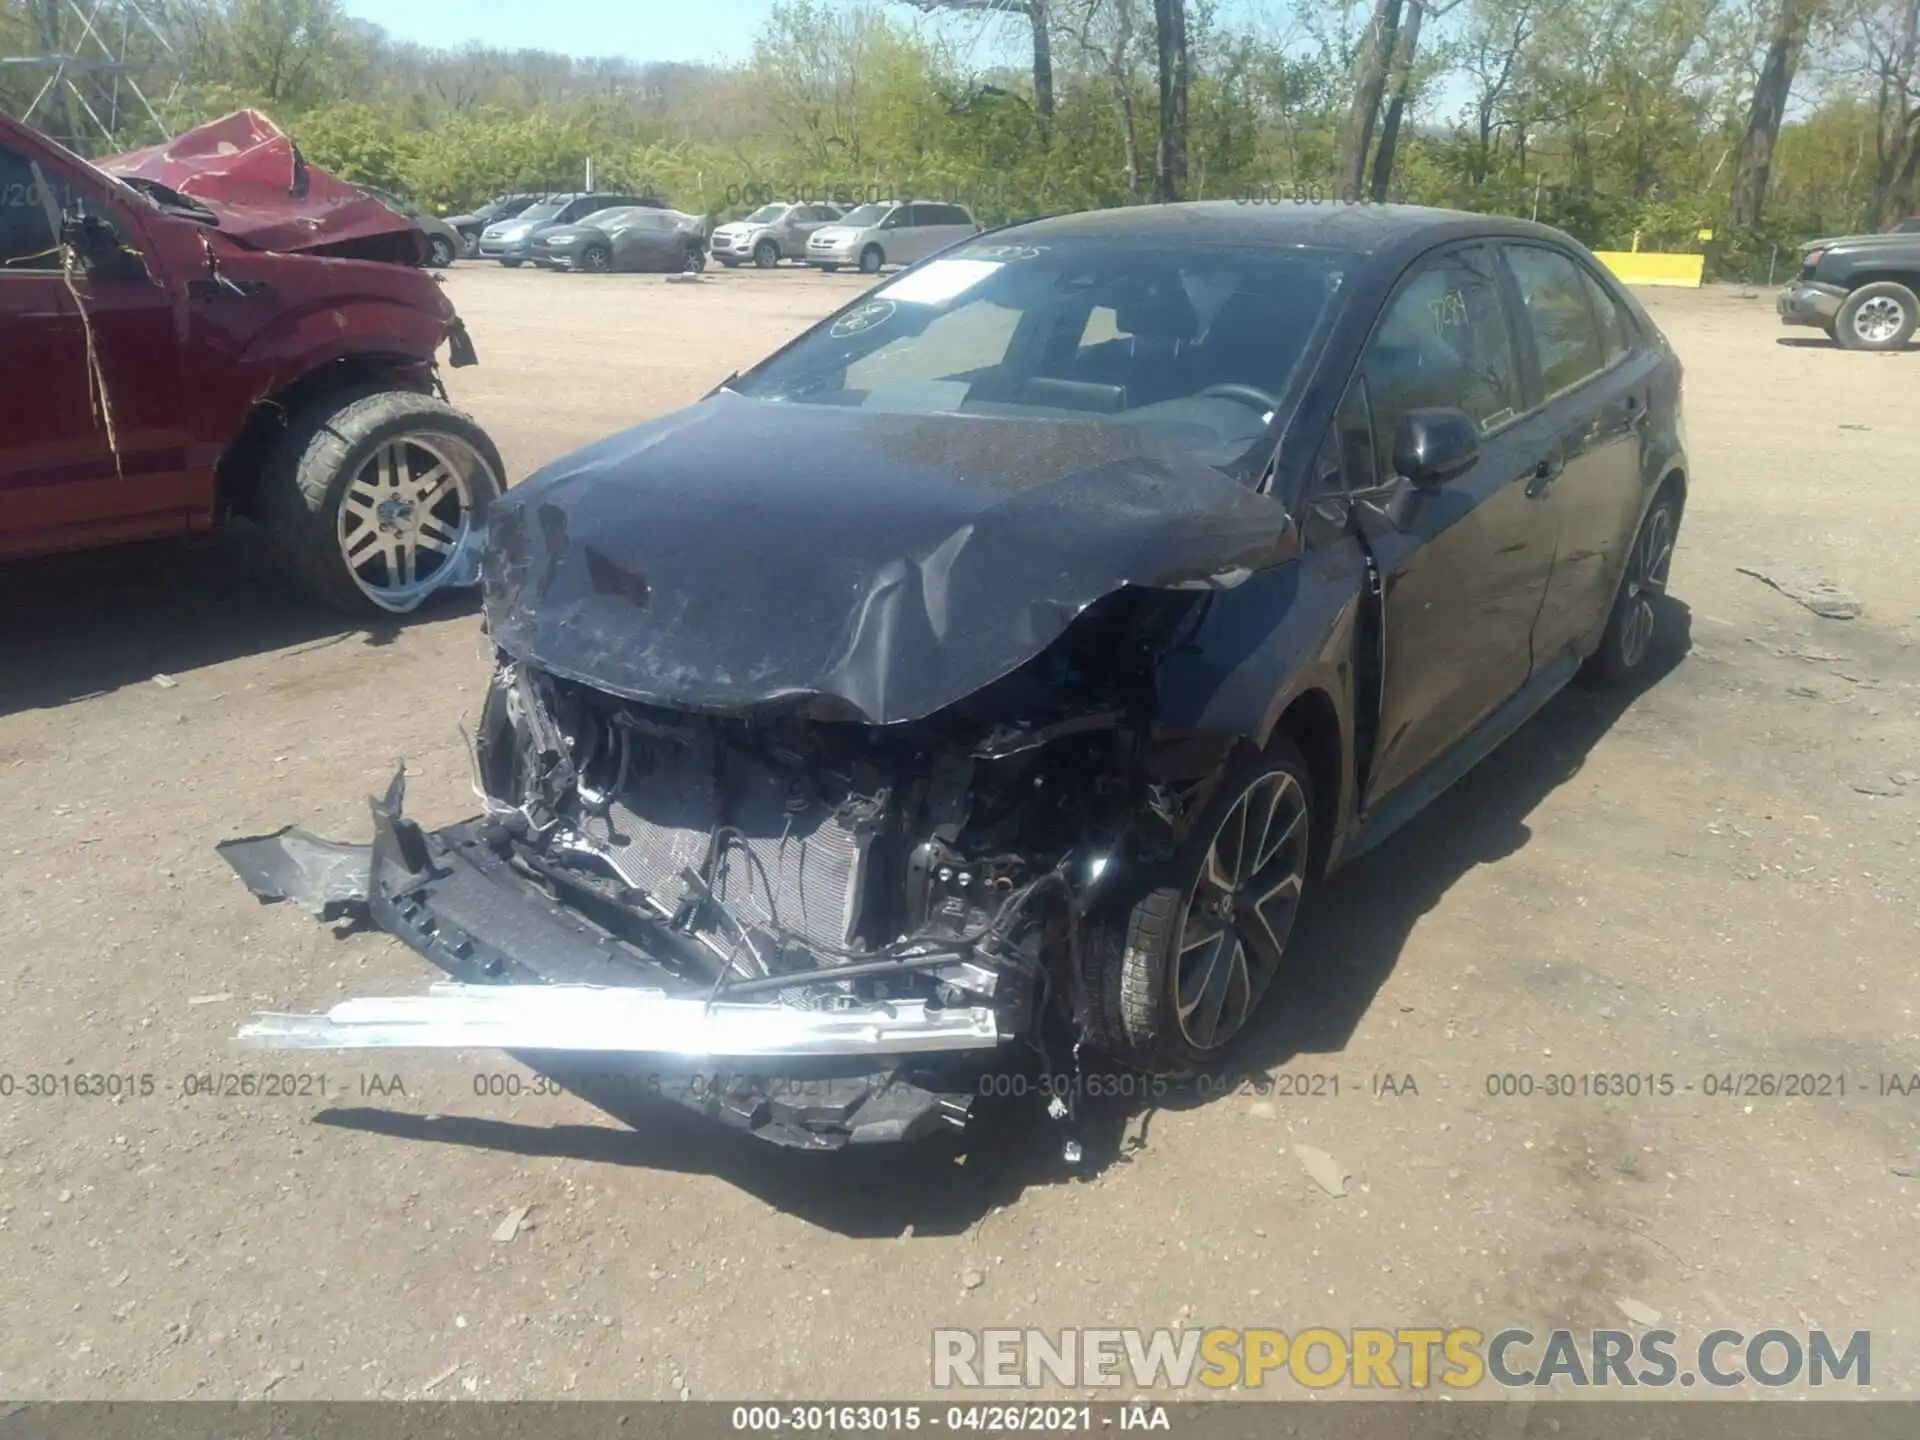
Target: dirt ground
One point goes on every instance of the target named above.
(1712, 878)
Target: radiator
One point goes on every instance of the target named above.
(796, 861)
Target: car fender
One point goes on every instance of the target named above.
(1266, 642)
(251, 350)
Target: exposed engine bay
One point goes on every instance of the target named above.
(931, 859)
(873, 769)
(808, 896)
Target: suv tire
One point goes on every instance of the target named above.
(871, 259)
(357, 440)
(1880, 317)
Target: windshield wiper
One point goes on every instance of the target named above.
(170, 200)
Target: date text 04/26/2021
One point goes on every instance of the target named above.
(989, 1419)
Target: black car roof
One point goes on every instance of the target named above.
(1385, 231)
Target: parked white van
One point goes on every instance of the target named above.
(889, 233)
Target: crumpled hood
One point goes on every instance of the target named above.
(250, 174)
(882, 566)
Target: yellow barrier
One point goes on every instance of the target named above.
(1644, 267)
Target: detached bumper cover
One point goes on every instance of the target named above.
(1810, 302)
(537, 978)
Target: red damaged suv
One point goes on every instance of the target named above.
(213, 327)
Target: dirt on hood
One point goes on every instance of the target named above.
(249, 173)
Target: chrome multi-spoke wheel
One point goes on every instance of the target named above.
(1646, 583)
(1881, 315)
(376, 498)
(1879, 319)
(407, 516)
(1240, 910)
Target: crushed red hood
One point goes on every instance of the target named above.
(247, 171)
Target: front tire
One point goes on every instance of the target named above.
(596, 260)
(1634, 627)
(766, 254)
(440, 252)
(375, 498)
(1179, 974)
(871, 259)
(513, 264)
(1878, 317)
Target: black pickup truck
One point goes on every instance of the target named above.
(1863, 290)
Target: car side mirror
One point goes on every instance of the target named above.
(1433, 446)
(96, 245)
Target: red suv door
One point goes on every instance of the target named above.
(61, 483)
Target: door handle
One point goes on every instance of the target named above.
(1542, 478)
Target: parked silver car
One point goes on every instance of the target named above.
(511, 242)
(770, 234)
(889, 234)
(624, 237)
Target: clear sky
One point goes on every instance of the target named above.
(693, 30)
(687, 30)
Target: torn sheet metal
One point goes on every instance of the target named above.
(877, 566)
(247, 171)
(618, 1019)
(325, 876)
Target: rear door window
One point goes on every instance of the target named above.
(1615, 334)
(1554, 296)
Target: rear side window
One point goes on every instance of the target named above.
(1615, 335)
(26, 241)
(1554, 296)
(1444, 341)
(942, 215)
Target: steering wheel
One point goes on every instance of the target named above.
(1246, 394)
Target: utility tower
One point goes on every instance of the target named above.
(94, 54)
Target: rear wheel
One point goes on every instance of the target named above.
(871, 259)
(1641, 602)
(1881, 316)
(440, 252)
(696, 261)
(766, 254)
(375, 498)
(1201, 947)
(596, 259)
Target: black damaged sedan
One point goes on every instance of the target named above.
(995, 670)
